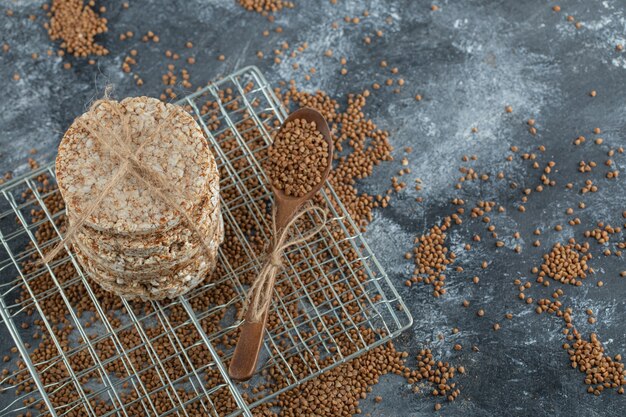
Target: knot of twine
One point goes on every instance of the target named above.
(260, 293)
(119, 147)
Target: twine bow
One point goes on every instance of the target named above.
(260, 293)
(120, 147)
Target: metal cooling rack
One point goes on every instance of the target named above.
(313, 314)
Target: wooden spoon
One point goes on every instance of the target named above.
(244, 361)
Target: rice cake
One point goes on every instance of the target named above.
(166, 287)
(137, 268)
(134, 243)
(123, 253)
(175, 147)
(156, 242)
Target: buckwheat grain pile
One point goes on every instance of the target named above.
(76, 25)
(265, 6)
(297, 158)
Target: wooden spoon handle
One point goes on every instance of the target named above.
(244, 360)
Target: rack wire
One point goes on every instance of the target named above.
(333, 300)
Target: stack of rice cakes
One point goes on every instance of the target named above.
(134, 244)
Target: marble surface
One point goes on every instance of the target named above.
(468, 60)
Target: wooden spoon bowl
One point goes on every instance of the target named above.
(244, 361)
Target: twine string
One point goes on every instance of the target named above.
(119, 147)
(260, 293)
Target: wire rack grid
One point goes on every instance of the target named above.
(108, 356)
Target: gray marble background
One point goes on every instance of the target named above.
(468, 60)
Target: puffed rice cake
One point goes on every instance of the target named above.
(134, 244)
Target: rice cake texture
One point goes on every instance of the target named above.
(131, 268)
(159, 241)
(158, 251)
(175, 147)
(135, 244)
(167, 286)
